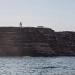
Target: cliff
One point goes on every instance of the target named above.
(30, 41)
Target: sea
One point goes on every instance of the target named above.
(37, 65)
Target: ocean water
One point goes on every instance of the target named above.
(37, 65)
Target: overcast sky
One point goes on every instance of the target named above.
(56, 14)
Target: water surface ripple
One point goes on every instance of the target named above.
(37, 65)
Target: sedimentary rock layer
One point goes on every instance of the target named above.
(30, 41)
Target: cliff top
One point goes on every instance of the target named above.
(24, 28)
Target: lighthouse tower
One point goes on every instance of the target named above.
(20, 24)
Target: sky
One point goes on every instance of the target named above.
(56, 14)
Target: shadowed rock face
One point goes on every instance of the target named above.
(15, 41)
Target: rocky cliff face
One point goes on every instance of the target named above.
(30, 41)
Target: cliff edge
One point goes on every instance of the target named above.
(31, 41)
